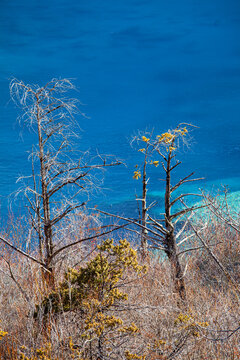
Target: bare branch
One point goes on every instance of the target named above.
(174, 166)
(182, 196)
(85, 239)
(159, 226)
(185, 211)
(66, 182)
(220, 265)
(131, 221)
(184, 180)
(232, 332)
(69, 209)
(23, 292)
(213, 208)
(22, 252)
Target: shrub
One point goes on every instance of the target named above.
(94, 294)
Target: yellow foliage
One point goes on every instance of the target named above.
(158, 343)
(136, 175)
(130, 329)
(181, 132)
(166, 138)
(43, 353)
(2, 334)
(130, 356)
(95, 290)
(184, 131)
(190, 324)
(145, 139)
(170, 136)
(155, 163)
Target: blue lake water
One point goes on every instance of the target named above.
(137, 64)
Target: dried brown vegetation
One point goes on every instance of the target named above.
(206, 329)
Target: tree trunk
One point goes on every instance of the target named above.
(144, 215)
(170, 241)
(176, 268)
(49, 278)
(48, 275)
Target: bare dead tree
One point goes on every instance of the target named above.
(165, 147)
(219, 208)
(222, 210)
(61, 180)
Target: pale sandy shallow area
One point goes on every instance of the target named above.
(213, 187)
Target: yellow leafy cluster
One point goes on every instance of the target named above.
(43, 353)
(136, 175)
(125, 256)
(182, 132)
(189, 323)
(158, 343)
(130, 329)
(71, 344)
(2, 334)
(145, 139)
(169, 137)
(75, 352)
(166, 138)
(155, 163)
(130, 356)
(182, 318)
(99, 323)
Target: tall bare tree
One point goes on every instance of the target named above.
(61, 178)
(162, 233)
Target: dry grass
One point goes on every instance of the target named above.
(168, 329)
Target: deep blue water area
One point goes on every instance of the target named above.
(137, 64)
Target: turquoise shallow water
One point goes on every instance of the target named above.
(137, 64)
